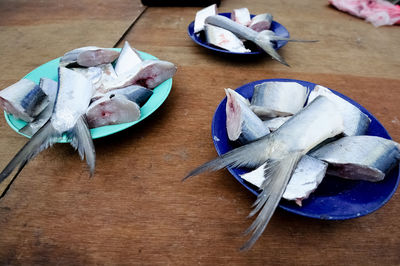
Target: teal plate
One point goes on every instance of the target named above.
(49, 70)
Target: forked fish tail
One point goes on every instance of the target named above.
(250, 155)
(277, 174)
(45, 137)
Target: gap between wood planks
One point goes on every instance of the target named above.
(130, 27)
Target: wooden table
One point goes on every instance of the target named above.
(136, 210)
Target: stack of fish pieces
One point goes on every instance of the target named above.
(291, 161)
(228, 34)
(272, 107)
(89, 89)
(120, 92)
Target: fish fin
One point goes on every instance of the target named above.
(27, 129)
(41, 140)
(277, 174)
(264, 41)
(82, 141)
(278, 38)
(238, 157)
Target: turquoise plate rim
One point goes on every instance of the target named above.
(49, 70)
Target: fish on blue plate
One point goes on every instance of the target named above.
(322, 137)
(281, 150)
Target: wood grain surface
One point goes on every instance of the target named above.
(135, 210)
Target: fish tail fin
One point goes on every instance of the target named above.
(277, 174)
(27, 130)
(250, 155)
(41, 140)
(264, 41)
(278, 38)
(82, 141)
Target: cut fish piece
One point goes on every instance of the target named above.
(127, 61)
(238, 96)
(224, 39)
(241, 123)
(355, 121)
(305, 179)
(111, 111)
(134, 93)
(71, 57)
(150, 74)
(202, 15)
(241, 16)
(359, 157)
(272, 99)
(89, 56)
(24, 99)
(261, 22)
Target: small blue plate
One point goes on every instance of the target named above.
(279, 30)
(50, 70)
(335, 198)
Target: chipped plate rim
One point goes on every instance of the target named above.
(278, 28)
(338, 199)
(49, 70)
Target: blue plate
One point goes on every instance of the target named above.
(50, 70)
(335, 198)
(279, 30)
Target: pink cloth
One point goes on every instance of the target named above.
(378, 12)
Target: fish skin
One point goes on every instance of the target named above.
(364, 157)
(263, 39)
(112, 110)
(281, 150)
(243, 32)
(306, 177)
(97, 57)
(201, 15)
(35, 101)
(150, 74)
(274, 123)
(261, 22)
(224, 39)
(71, 57)
(89, 56)
(241, 123)
(272, 99)
(50, 88)
(73, 97)
(13, 98)
(127, 61)
(135, 93)
(355, 121)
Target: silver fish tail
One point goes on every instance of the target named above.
(277, 174)
(262, 40)
(40, 141)
(82, 141)
(281, 150)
